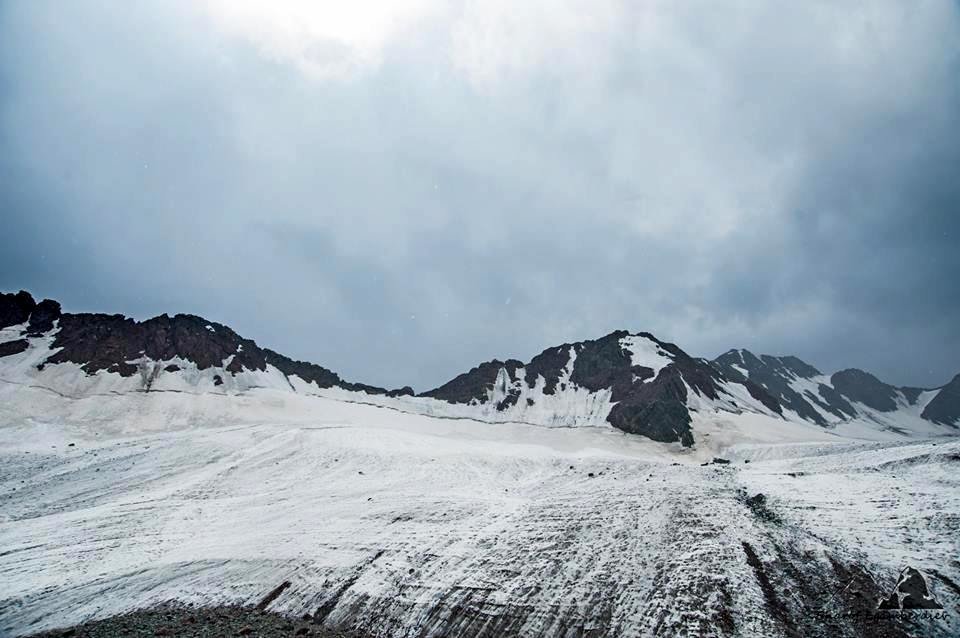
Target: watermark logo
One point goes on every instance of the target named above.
(911, 592)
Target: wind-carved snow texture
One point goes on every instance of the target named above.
(404, 525)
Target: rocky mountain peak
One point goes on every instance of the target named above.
(637, 383)
(21, 308)
(865, 388)
(118, 344)
(778, 376)
(850, 393)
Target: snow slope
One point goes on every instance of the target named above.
(407, 525)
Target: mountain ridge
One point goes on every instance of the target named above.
(826, 399)
(631, 381)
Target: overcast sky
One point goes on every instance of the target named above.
(400, 193)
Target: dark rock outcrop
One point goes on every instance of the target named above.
(22, 308)
(16, 308)
(911, 394)
(17, 346)
(603, 363)
(116, 343)
(865, 388)
(313, 373)
(549, 365)
(105, 342)
(835, 402)
(657, 410)
(846, 389)
(46, 313)
(653, 405)
(774, 374)
(475, 384)
(945, 406)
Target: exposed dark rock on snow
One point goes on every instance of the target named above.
(548, 364)
(13, 347)
(43, 317)
(473, 385)
(774, 375)
(21, 308)
(945, 407)
(790, 380)
(648, 402)
(16, 308)
(834, 402)
(911, 394)
(116, 343)
(323, 377)
(99, 342)
(273, 595)
(657, 411)
(865, 388)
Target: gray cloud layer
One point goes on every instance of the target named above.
(484, 182)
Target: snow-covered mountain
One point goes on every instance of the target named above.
(83, 354)
(173, 460)
(633, 382)
(642, 385)
(806, 393)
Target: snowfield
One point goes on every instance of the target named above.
(403, 524)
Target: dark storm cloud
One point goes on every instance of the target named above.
(489, 180)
